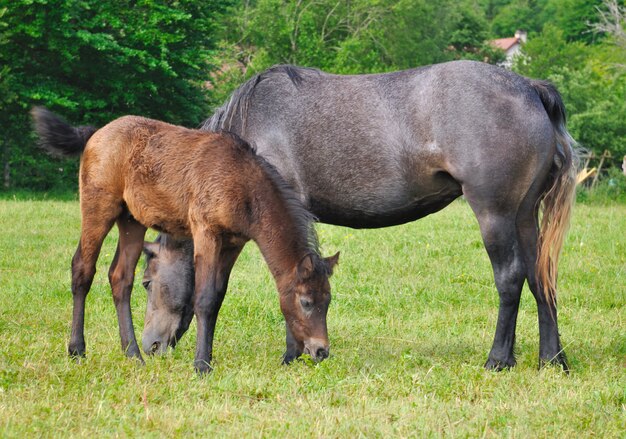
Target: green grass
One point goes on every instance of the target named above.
(411, 322)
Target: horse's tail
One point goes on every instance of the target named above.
(558, 197)
(58, 137)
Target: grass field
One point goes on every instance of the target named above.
(411, 322)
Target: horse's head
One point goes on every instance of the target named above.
(169, 282)
(304, 300)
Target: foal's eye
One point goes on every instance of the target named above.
(146, 284)
(306, 303)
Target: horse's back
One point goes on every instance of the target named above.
(388, 148)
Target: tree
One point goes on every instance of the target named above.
(549, 53)
(95, 60)
(573, 18)
(469, 38)
(594, 94)
(612, 22)
(519, 14)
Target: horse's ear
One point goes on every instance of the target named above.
(151, 249)
(332, 261)
(305, 267)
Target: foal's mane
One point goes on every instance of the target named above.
(303, 219)
(237, 105)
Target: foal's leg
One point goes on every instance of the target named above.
(122, 275)
(213, 267)
(294, 349)
(207, 247)
(97, 221)
(550, 350)
(500, 237)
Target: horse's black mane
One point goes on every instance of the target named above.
(222, 119)
(237, 105)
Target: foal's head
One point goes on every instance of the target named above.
(169, 282)
(304, 301)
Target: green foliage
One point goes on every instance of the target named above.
(609, 190)
(518, 14)
(593, 91)
(469, 37)
(549, 53)
(94, 60)
(492, 7)
(574, 17)
(350, 37)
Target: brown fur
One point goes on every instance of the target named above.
(212, 187)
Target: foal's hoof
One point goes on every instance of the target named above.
(289, 357)
(499, 365)
(558, 360)
(202, 367)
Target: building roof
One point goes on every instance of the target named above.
(505, 43)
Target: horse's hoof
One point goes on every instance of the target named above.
(499, 365)
(76, 351)
(138, 359)
(202, 367)
(133, 352)
(558, 360)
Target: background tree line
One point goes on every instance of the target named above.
(175, 60)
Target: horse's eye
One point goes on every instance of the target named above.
(146, 284)
(306, 303)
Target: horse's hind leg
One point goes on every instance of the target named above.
(499, 234)
(122, 275)
(96, 223)
(550, 350)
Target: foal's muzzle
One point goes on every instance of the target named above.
(317, 349)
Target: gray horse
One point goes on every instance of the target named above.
(370, 151)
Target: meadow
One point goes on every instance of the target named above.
(411, 322)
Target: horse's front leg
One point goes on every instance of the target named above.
(207, 296)
(121, 277)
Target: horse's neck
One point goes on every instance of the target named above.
(278, 236)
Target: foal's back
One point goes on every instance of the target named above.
(162, 171)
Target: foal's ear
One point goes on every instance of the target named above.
(151, 249)
(332, 261)
(305, 267)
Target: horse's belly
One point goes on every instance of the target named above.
(384, 208)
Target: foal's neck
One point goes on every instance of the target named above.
(281, 237)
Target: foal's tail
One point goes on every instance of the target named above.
(57, 136)
(558, 197)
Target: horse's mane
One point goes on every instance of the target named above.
(303, 219)
(238, 103)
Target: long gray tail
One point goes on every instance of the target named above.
(56, 136)
(558, 197)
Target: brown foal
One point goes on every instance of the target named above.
(212, 187)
